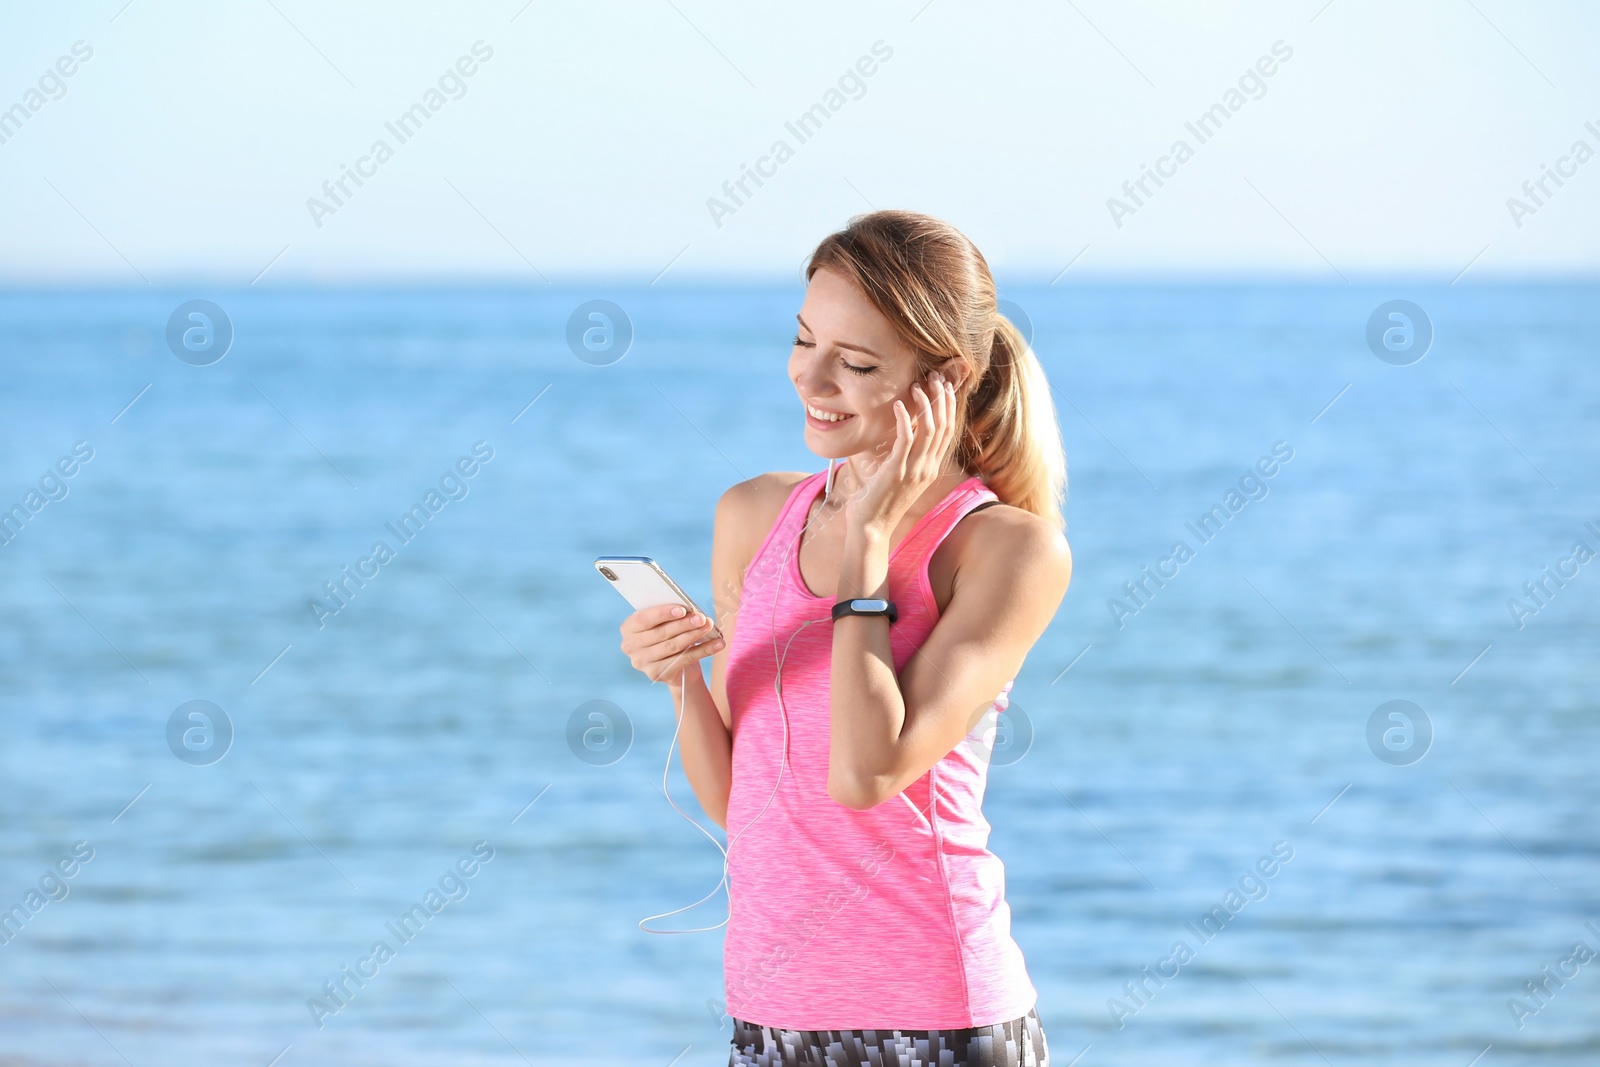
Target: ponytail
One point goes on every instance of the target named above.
(1010, 437)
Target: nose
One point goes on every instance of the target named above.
(811, 380)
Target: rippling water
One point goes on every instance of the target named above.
(1175, 741)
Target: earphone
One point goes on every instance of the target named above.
(777, 685)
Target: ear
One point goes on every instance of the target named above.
(954, 369)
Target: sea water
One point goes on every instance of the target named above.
(1191, 719)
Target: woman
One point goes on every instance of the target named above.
(846, 753)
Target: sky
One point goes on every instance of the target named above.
(194, 141)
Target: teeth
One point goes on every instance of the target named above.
(825, 416)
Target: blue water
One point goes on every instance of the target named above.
(1226, 715)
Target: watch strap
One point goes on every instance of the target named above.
(849, 607)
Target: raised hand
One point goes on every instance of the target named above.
(915, 463)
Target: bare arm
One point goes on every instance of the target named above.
(667, 647)
(669, 650)
(886, 732)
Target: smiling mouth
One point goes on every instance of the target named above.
(826, 418)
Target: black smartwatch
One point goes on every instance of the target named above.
(865, 607)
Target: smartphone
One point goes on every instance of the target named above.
(643, 583)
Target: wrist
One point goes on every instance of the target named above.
(865, 607)
(865, 569)
(867, 534)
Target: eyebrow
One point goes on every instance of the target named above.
(845, 344)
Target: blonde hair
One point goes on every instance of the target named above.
(934, 286)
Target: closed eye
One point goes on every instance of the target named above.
(864, 370)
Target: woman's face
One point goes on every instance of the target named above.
(847, 360)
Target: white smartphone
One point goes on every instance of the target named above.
(643, 583)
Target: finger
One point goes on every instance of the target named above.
(663, 612)
(644, 641)
(679, 642)
(924, 395)
(949, 401)
(651, 632)
(926, 419)
(693, 654)
(692, 627)
(902, 435)
(646, 618)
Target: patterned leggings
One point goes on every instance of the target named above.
(1018, 1043)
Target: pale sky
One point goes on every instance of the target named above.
(589, 138)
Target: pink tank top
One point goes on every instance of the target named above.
(893, 917)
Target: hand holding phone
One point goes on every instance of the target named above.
(658, 640)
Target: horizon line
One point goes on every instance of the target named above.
(1209, 278)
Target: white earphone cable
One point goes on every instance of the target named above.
(777, 686)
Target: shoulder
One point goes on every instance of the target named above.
(1002, 540)
(764, 490)
(747, 510)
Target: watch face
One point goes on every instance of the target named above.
(866, 606)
